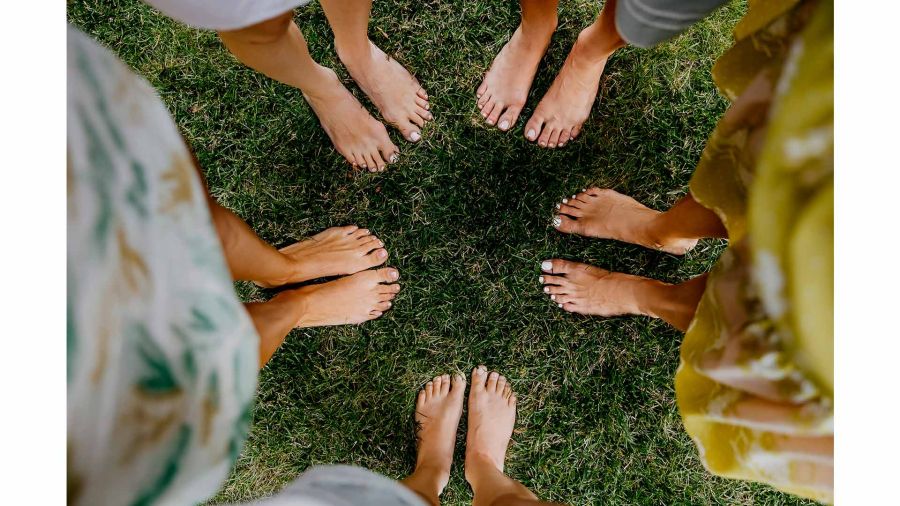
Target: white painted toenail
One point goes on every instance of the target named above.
(540, 279)
(573, 197)
(504, 125)
(389, 303)
(583, 190)
(560, 305)
(531, 135)
(565, 201)
(553, 297)
(547, 265)
(415, 136)
(546, 289)
(558, 206)
(394, 158)
(557, 221)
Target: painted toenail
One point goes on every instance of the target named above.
(565, 201)
(546, 289)
(389, 304)
(573, 197)
(553, 297)
(394, 158)
(557, 221)
(504, 125)
(395, 275)
(558, 206)
(415, 136)
(382, 254)
(583, 190)
(547, 265)
(560, 305)
(540, 279)
(531, 134)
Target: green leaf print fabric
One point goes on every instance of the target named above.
(161, 354)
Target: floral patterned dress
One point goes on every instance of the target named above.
(756, 385)
(162, 356)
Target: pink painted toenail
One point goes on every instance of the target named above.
(565, 201)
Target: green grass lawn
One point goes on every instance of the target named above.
(466, 218)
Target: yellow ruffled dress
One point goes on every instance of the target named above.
(756, 380)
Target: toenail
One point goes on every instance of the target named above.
(552, 145)
(558, 206)
(553, 297)
(565, 201)
(557, 221)
(531, 135)
(389, 303)
(395, 275)
(560, 305)
(394, 158)
(381, 243)
(490, 121)
(546, 289)
(543, 144)
(540, 279)
(573, 197)
(547, 265)
(504, 125)
(583, 190)
(382, 254)
(415, 136)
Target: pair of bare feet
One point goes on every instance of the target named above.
(362, 294)
(565, 107)
(492, 415)
(361, 139)
(590, 290)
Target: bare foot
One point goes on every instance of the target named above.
(353, 299)
(438, 409)
(398, 96)
(589, 290)
(358, 137)
(567, 104)
(607, 214)
(333, 252)
(492, 415)
(504, 90)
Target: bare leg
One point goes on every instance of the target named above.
(504, 90)
(276, 48)
(567, 104)
(438, 409)
(336, 251)
(492, 415)
(607, 214)
(589, 290)
(398, 96)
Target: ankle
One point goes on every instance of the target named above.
(652, 297)
(477, 464)
(540, 30)
(597, 42)
(354, 52)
